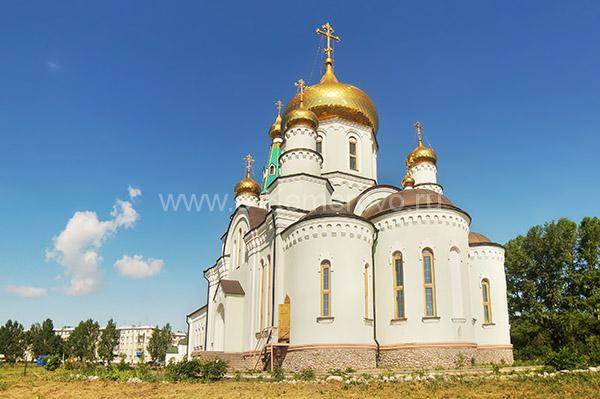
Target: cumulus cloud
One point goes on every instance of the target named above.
(26, 291)
(53, 65)
(138, 267)
(77, 247)
(134, 192)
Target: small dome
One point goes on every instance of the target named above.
(247, 186)
(422, 154)
(330, 99)
(275, 130)
(408, 181)
(301, 116)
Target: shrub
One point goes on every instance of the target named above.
(52, 362)
(565, 359)
(305, 375)
(277, 374)
(593, 350)
(214, 370)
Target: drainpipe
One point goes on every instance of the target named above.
(377, 350)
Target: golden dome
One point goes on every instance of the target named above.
(247, 186)
(301, 115)
(408, 181)
(330, 99)
(275, 130)
(421, 153)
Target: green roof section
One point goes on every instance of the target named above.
(271, 171)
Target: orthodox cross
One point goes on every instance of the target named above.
(249, 161)
(419, 134)
(279, 105)
(327, 32)
(301, 86)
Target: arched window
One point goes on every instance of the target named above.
(366, 286)
(398, 271)
(325, 289)
(429, 283)
(272, 170)
(352, 151)
(261, 311)
(319, 147)
(240, 244)
(487, 301)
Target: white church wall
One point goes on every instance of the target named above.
(487, 262)
(300, 191)
(409, 232)
(346, 243)
(336, 134)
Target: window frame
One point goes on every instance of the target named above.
(262, 295)
(487, 315)
(325, 268)
(353, 156)
(428, 252)
(319, 145)
(398, 288)
(366, 289)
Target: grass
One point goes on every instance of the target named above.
(40, 383)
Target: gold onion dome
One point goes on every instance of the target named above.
(275, 130)
(408, 181)
(247, 185)
(421, 153)
(301, 116)
(332, 99)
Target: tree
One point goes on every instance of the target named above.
(12, 341)
(82, 341)
(553, 283)
(108, 341)
(43, 340)
(159, 343)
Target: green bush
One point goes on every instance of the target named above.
(593, 350)
(305, 375)
(277, 374)
(565, 359)
(212, 370)
(52, 362)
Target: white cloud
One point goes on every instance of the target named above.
(77, 247)
(134, 192)
(53, 65)
(137, 267)
(26, 291)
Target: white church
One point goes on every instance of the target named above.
(324, 267)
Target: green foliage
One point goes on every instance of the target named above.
(593, 350)
(13, 341)
(52, 362)
(109, 339)
(305, 375)
(187, 370)
(82, 342)
(43, 340)
(277, 374)
(159, 343)
(565, 359)
(553, 284)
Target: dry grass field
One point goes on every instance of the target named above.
(42, 384)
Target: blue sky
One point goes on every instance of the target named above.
(168, 97)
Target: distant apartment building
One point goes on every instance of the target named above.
(133, 342)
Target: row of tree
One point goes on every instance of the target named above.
(86, 343)
(553, 284)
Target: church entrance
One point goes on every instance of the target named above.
(283, 328)
(219, 328)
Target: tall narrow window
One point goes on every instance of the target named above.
(487, 301)
(269, 289)
(240, 244)
(429, 283)
(261, 310)
(325, 288)
(319, 147)
(352, 152)
(398, 271)
(366, 284)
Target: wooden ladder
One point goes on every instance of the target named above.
(261, 344)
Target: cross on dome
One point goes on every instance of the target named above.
(327, 32)
(301, 85)
(249, 161)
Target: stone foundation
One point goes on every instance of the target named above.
(327, 358)
(494, 354)
(427, 356)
